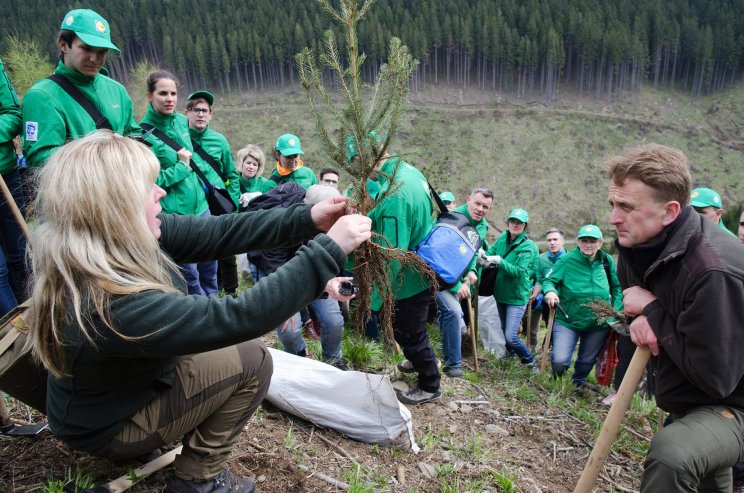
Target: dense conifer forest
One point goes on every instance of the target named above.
(526, 47)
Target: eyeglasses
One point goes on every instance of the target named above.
(588, 240)
(199, 111)
(330, 181)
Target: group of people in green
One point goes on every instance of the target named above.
(125, 247)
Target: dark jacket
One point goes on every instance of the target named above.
(698, 279)
(113, 381)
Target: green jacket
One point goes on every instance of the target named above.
(256, 184)
(52, 117)
(185, 193)
(217, 146)
(481, 227)
(112, 382)
(514, 273)
(404, 218)
(544, 264)
(10, 122)
(304, 177)
(577, 281)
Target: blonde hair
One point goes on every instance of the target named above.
(92, 240)
(662, 168)
(253, 151)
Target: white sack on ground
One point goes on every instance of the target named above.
(363, 406)
(489, 326)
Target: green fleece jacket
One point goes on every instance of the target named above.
(217, 146)
(514, 273)
(404, 218)
(256, 184)
(119, 377)
(304, 177)
(52, 117)
(10, 122)
(185, 193)
(481, 227)
(577, 281)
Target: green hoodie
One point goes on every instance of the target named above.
(256, 184)
(184, 191)
(217, 146)
(514, 273)
(304, 177)
(577, 280)
(10, 122)
(404, 218)
(481, 227)
(52, 117)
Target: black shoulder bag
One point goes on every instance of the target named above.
(218, 198)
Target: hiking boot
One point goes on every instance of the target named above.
(406, 366)
(225, 482)
(417, 396)
(341, 364)
(454, 371)
(309, 329)
(607, 401)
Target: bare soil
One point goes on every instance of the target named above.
(474, 435)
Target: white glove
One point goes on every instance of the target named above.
(487, 261)
(246, 198)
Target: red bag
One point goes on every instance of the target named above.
(607, 360)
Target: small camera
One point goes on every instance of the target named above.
(347, 288)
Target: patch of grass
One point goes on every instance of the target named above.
(362, 353)
(77, 482)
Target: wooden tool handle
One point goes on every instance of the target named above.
(546, 346)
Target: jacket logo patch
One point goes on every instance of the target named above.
(32, 131)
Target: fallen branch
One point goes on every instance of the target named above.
(617, 486)
(332, 481)
(336, 446)
(472, 403)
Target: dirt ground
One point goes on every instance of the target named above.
(487, 434)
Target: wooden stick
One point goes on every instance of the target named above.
(14, 208)
(529, 320)
(612, 422)
(125, 482)
(546, 345)
(333, 481)
(473, 335)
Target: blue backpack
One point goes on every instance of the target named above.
(450, 245)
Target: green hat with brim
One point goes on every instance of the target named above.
(288, 145)
(519, 215)
(447, 196)
(206, 95)
(373, 188)
(351, 146)
(705, 197)
(90, 27)
(589, 231)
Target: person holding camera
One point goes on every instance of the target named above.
(135, 362)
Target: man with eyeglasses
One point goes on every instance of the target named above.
(214, 150)
(51, 115)
(707, 202)
(329, 176)
(289, 166)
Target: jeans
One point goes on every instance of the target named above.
(12, 241)
(511, 317)
(450, 321)
(201, 277)
(7, 298)
(695, 453)
(564, 342)
(329, 314)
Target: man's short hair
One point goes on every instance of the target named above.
(68, 37)
(660, 167)
(325, 171)
(486, 192)
(193, 102)
(554, 230)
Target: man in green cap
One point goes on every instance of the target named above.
(449, 199)
(214, 149)
(289, 166)
(51, 115)
(707, 202)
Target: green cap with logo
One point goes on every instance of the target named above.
(447, 197)
(206, 95)
(90, 27)
(589, 231)
(351, 146)
(288, 145)
(705, 197)
(519, 215)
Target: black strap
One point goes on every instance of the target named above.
(100, 120)
(277, 179)
(437, 199)
(207, 157)
(606, 263)
(176, 147)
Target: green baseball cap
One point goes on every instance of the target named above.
(519, 214)
(373, 188)
(351, 146)
(288, 145)
(90, 27)
(589, 231)
(208, 97)
(705, 197)
(447, 196)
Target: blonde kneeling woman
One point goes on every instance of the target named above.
(136, 363)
